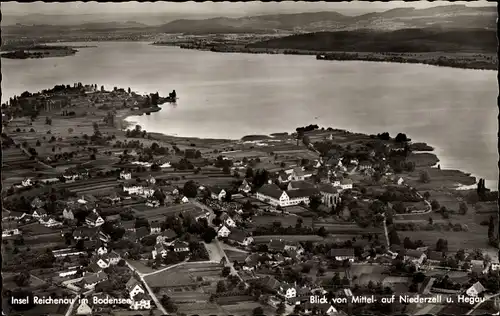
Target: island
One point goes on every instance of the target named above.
(98, 210)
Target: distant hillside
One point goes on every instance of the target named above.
(406, 40)
(453, 16)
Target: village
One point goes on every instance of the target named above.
(114, 220)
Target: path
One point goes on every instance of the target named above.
(71, 306)
(231, 248)
(487, 298)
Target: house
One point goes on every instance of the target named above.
(37, 203)
(399, 181)
(113, 199)
(251, 262)
(159, 249)
(298, 174)
(134, 287)
(184, 199)
(112, 257)
(330, 196)
(94, 219)
(180, 246)
(276, 245)
(245, 187)
(166, 236)
(335, 181)
(39, 213)
(91, 280)
(151, 179)
(84, 308)
(227, 220)
(49, 221)
(334, 162)
(294, 185)
(68, 214)
(342, 254)
(125, 175)
(133, 189)
(140, 301)
(101, 262)
(365, 165)
(346, 184)
(240, 237)
(27, 182)
(102, 250)
(287, 290)
(273, 195)
(478, 266)
(155, 227)
(495, 266)
(9, 228)
(270, 283)
(152, 203)
(476, 289)
(223, 232)
(284, 177)
(217, 193)
(415, 256)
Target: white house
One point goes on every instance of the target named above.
(245, 187)
(39, 213)
(125, 175)
(227, 220)
(133, 189)
(185, 199)
(140, 301)
(151, 180)
(68, 214)
(180, 246)
(102, 250)
(94, 219)
(273, 195)
(155, 227)
(9, 228)
(134, 287)
(342, 254)
(223, 232)
(102, 263)
(27, 182)
(298, 174)
(159, 249)
(476, 289)
(218, 193)
(147, 192)
(415, 256)
(49, 222)
(91, 280)
(240, 237)
(495, 266)
(84, 308)
(288, 291)
(400, 181)
(152, 203)
(346, 184)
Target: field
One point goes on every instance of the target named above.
(290, 238)
(159, 213)
(456, 240)
(236, 255)
(286, 221)
(186, 275)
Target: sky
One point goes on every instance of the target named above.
(216, 8)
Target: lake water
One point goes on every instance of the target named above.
(232, 95)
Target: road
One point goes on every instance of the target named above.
(71, 306)
(487, 297)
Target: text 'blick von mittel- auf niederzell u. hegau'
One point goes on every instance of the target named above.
(408, 299)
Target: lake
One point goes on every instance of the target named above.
(232, 95)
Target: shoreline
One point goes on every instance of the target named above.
(439, 59)
(467, 184)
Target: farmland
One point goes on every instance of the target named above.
(186, 275)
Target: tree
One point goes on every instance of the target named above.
(209, 235)
(435, 205)
(249, 173)
(427, 195)
(221, 286)
(281, 308)
(226, 169)
(22, 279)
(491, 228)
(258, 311)
(394, 237)
(401, 138)
(314, 202)
(70, 130)
(322, 232)
(190, 189)
(425, 177)
(442, 245)
(463, 208)
(226, 271)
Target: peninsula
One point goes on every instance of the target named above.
(143, 212)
